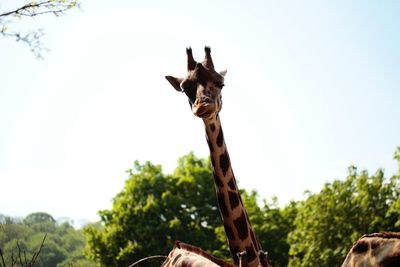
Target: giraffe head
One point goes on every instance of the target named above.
(202, 85)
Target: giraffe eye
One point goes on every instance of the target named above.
(187, 85)
(219, 84)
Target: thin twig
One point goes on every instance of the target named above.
(13, 260)
(146, 259)
(29, 10)
(2, 259)
(26, 261)
(19, 254)
(35, 255)
(24, 7)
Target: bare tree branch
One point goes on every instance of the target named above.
(36, 254)
(23, 262)
(35, 8)
(26, 261)
(3, 264)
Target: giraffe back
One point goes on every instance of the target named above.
(185, 255)
(375, 250)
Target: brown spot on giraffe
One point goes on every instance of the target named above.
(224, 162)
(176, 258)
(361, 247)
(233, 199)
(231, 184)
(220, 138)
(217, 180)
(251, 253)
(242, 226)
(212, 127)
(229, 232)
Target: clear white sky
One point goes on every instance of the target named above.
(312, 87)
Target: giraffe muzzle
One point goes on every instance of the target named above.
(203, 109)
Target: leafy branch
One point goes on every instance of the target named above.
(33, 9)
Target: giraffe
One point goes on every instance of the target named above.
(203, 86)
(375, 250)
(185, 255)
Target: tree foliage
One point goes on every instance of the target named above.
(63, 245)
(329, 222)
(30, 10)
(153, 210)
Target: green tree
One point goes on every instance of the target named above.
(317, 231)
(41, 222)
(329, 222)
(277, 224)
(153, 210)
(63, 245)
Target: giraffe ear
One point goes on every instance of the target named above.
(223, 72)
(175, 82)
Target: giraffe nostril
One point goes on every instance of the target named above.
(205, 99)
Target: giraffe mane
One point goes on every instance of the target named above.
(385, 235)
(199, 251)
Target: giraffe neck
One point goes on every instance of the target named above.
(240, 234)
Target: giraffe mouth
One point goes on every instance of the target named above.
(203, 109)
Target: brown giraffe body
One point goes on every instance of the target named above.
(203, 87)
(184, 255)
(375, 250)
